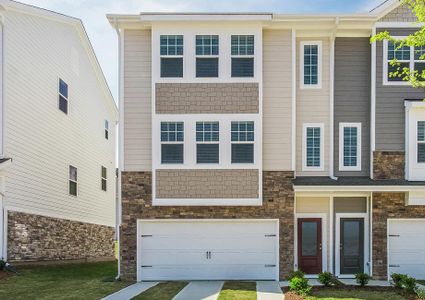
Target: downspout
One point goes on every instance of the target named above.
(331, 100)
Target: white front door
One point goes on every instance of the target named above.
(406, 247)
(208, 249)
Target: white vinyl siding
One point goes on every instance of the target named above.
(350, 146)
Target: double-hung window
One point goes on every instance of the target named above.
(421, 141)
(242, 50)
(73, 181)
(106, 129)
(313, 147)
(310, 56)
(172, 142)
(104, 178)
(207, 142)
(350, 146)
(63, 96)
(171, 53)
(242, 136)
(207, 51)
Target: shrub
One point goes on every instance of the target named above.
(362, 279)
(409, 284)
(298, 273)
(421, 294)
(398, 280)
(326, 278)
(2, 264)
(300, 286)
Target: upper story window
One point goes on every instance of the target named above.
(73, 181)
(242, 135)
(350, 146)
(171, 51)
(172, 142)
(207, 52)
(104, 178)
(63, 96)
(310, 56)
(242, 50)
(421, 142)
(313, 147)
(106, 129)
(207, 142)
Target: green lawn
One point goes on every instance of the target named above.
(74, 281)
(338, 294)
(162, 291)
(234, 290)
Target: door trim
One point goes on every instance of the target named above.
(338, 217)
(325, 229)
(140, 221)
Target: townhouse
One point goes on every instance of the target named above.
(252, 145)
(58, 117)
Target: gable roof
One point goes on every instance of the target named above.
(85, 40)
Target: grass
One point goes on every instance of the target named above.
(162, 291)
(338, 294)
(234, 290)
(70, 281)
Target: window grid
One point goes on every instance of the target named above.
(311, 64)
(242, 131)
(104, 178)
(313, 144)
(73, 181)
(63, 96)
(401, 54)
(350, 146)
(172, 132)
(207, 45)
(207, 132)
(171, 45)
(242, 45)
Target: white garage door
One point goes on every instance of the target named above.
(208, 249)
(406, 243)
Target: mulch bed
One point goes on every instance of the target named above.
(3, 275)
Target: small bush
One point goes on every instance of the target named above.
(298, 273)
(300, 286)
(326, 278)
(2, 264)
(398, 280)
(421, 294)
(362, 279)
(409, 284)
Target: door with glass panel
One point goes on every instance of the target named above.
(310, 245)
(351, 245)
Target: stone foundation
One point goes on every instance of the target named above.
(388, 165)
(278, 203)
(39, 238)
(387, 206)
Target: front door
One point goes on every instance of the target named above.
(310, 245)
(351, 245)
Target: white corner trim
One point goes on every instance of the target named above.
(319, 65)
(331, 106)
(358, 167)
(294, 102)
(304, 147)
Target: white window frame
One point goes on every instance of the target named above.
(418, 142)
(169, 56)
(208, 55)
(414, 112)
(304, 147)
(104, 178)
(208, 142)
(171, 142)
(242, 142)
(242, 55)
(63, 96)
(358, 167)
(70, 180)
(106, 132)
(385, 62)
(319, 64)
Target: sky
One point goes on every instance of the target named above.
(104, 39)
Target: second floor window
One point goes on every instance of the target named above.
(171, 52)
(242, 50)
(104, 179)
(421, 141)
(172, 142)
(63, 96)
(310, 64)
(207, 51)
(242, 136)
(313, 147)
(73, 181)
(350, 146)
(106, 129)
(207, 142)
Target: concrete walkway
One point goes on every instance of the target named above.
(269, 290)
(131, 291)
(200, 290)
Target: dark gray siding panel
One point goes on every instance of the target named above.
(390, 105)
(352, 95)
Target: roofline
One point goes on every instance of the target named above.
(78, 23)
(359, 188)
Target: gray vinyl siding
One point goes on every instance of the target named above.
(390, 126)
(352, 95)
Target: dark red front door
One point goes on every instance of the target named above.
(310, 245)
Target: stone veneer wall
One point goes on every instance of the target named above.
(388, 165)
(387, 206)
(214, 183)
(38, 238)
(278, 203)
(219, 98)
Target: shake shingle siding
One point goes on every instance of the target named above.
(352, 95)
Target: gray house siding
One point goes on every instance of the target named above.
(352, 95)
(390, 124)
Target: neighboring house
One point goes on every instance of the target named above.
(252, 145)
(58, 122)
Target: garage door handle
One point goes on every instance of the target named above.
(394, 266)
(206, 253)
(394, 235)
